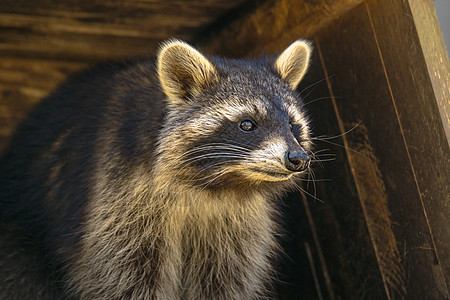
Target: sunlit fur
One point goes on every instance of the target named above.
(293, 62)
(176, 201)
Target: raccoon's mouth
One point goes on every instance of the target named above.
(276, 175)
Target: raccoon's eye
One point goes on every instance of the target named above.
(247, 125)
(290, 126)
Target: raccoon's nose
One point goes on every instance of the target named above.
(297, 160)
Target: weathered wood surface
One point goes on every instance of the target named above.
(435, 55)
(275, 24)
(383, 100)
(417, 93)
(97, 29)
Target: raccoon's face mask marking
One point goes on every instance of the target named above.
(233, 123)
(240, 150)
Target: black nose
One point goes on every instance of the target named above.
(297, 160)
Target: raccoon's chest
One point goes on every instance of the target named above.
(226, 256)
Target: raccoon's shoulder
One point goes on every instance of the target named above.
(102, 85)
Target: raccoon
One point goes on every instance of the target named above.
(154, 179)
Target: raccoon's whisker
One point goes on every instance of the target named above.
(323, 160)
(313, 176)
(322, 157)
(307, 181)
(314, 84)
(215, 155)
(324, 137)
(301, 190)
(319, 151)
(237, 146)
(319, 162)
(242, 144)
(316, 180)
(213, 152)
(226, 144)
(223, 172)
(221, 145)
(316, 159)
(339, 145)
(211, 156)
(325, 155)
(312, 87)
(207, 169)
(215, 147)
(220, 152)
(317, 99)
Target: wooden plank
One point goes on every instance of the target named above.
(75, 47)
(385, 179)
(420, 97)
(68, 37)
(97, 29)
(118, 8)
(274, 25)
(435, 55)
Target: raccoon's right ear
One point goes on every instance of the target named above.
(183, 71)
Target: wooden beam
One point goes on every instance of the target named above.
(380, 73)
(274, 25)
(100, 30)
(419, 88)
(435, 55)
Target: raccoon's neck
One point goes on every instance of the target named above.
(222, 239)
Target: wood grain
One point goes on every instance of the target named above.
(93, 30)
(392, 100)
(275, 24)
(435, 55)
(418, 105)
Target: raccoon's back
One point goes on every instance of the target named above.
(110, 112)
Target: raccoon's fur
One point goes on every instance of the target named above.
(136, 182)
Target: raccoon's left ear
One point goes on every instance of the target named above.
(293, 62)
(183, 71)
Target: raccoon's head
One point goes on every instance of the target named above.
(233, 123)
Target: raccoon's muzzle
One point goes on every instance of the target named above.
(297, 160)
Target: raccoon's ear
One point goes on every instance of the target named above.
(183, 71)
(293, 62)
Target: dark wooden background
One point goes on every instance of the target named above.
(43, 41)
(378, 91)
